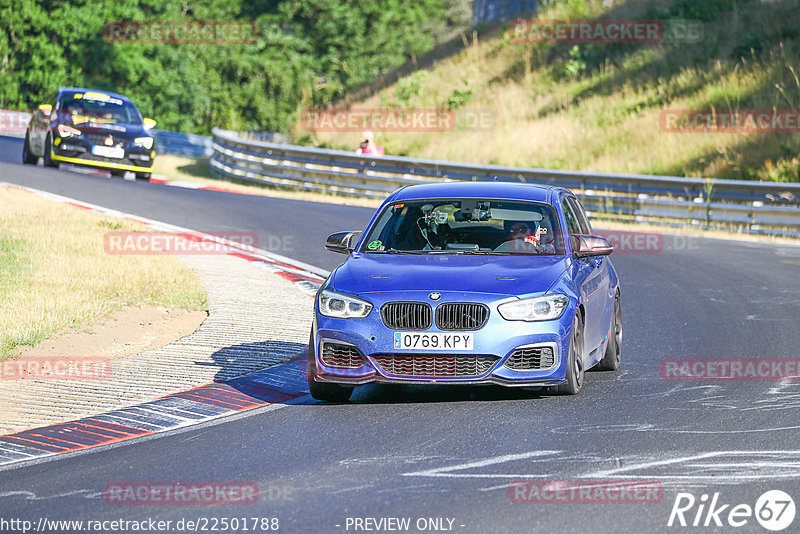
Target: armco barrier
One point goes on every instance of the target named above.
(182, 144)
(752, 206)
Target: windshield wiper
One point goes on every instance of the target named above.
(480, 252)
(396, 251)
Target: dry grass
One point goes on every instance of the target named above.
(55, 274)
(607, 117)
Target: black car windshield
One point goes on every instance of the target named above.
(98, 107)
(466, 226)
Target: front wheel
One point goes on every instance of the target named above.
(611, 359)
(142, 175)
(574, 360)
(28, 158)
(48, 150)
(322, 390)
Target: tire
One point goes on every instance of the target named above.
(117, 172)
(47, 150)
(322, 390)
(142, 175)
(28, 158)
(611, 359)
(575, 372)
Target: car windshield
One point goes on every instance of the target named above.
(98, 107)
(466, 226)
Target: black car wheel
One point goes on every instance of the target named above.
(142, 175)
(575, 360)
(117, 172)
(322, 390)
(48, 162)
(611, 359)
(28, 158)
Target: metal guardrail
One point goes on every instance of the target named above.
(14, 123)
(182, 144)
(751, 206)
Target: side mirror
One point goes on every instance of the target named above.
(45, 109)
(148, 123)
(591, 245)
(342, 242)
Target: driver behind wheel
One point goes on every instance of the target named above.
(527, 232)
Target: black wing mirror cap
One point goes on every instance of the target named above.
(585, 246)
(342, 242)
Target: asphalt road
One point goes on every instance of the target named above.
(447, 452)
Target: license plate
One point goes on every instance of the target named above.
(433, 341)
(108, 151)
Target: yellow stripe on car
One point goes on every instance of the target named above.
(104, 164)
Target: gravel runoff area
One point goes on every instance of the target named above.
(256, 319)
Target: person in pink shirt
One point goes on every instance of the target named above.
(368, 146)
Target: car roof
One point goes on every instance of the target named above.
(86, 90)
(500, 190)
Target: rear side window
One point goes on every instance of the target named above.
(569, 215)
(580, 215)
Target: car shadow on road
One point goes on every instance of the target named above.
(267, 371)
(425, 394)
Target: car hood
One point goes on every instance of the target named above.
(111, 128)
(502, 275)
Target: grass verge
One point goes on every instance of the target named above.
(55, 274)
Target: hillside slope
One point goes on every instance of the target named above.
(596, 106)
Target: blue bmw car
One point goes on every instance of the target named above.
(468, 283)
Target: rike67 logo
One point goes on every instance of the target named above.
(774, 510)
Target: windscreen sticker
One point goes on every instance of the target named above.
(375, 245)
(100, 97)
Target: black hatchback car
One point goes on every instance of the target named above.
(93, 128)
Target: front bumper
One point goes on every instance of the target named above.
(498, 339)
(78, 151)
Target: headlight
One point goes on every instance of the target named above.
(332, 304)
(67, 131)
(544, 308)
(144, 142)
